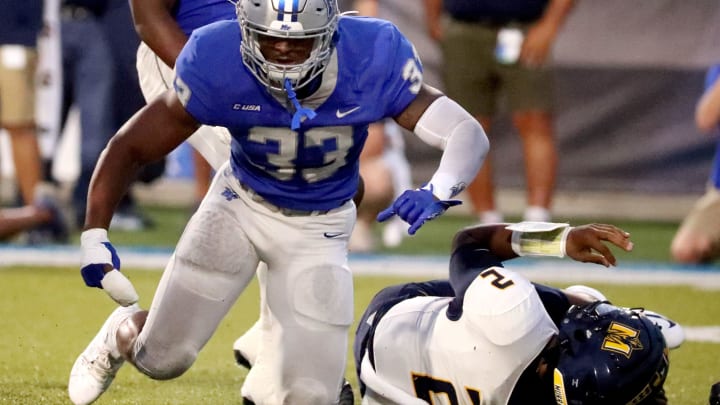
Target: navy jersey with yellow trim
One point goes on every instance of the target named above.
(374, 73)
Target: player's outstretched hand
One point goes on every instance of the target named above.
(589, 243)
(416, 207)
(101, 267)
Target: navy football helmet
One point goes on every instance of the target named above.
(294, 19)
(609, 355)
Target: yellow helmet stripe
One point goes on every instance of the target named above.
(559, 383)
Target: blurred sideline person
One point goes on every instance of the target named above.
(42, 221)
(20, 25)
(127, 99)
(87, 82)
(489, 336)
(39, 215)
(297, 86)
(500, 48)
(698, 238)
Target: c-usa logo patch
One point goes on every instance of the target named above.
(247, 107)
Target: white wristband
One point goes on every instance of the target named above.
(539, 238)
(94, 235)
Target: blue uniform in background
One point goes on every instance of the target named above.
(193, 14)
(88, 79)
(713, 75)
(20, 22)
(316, 166)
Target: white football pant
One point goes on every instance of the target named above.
(309, 293)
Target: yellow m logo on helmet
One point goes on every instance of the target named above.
(621, 339)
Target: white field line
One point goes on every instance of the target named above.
(549, 270)
(703, 334)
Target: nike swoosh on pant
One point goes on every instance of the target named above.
(331, 235)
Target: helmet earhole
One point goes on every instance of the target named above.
(580, 335)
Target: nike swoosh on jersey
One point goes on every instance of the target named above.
(331, 235)
(341, 114)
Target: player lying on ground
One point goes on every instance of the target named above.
(490, 336)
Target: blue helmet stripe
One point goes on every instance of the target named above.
(295, 8)
(281, 10)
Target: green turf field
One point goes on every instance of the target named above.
(49, 317)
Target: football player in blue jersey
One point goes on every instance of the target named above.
(296, 85)
(164, 27)
(489, 336)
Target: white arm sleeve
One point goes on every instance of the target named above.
(447, 126)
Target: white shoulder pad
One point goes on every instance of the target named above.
(504, 306)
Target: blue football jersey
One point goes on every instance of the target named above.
(712, 76)
(374, 73)
(193, 14)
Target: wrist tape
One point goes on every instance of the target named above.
(539, 238)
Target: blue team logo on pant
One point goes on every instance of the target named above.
(229, 194)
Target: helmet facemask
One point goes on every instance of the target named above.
(314, 20)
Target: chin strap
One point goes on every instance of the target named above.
(300, 111)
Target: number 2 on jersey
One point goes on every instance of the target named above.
(499, 279)
(425, 386)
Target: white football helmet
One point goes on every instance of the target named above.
(299, 19)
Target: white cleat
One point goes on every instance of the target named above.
(95, 368)
(672, 331)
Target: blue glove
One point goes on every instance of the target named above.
(101, 267)
(417, 207)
